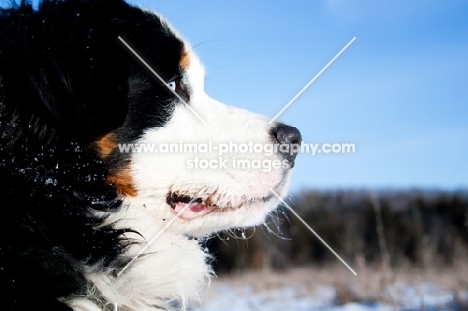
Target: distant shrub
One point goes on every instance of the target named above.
(419, 228)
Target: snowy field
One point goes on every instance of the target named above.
(425, 297)
(263, 292)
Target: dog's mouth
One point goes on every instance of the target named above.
(196, 206)
(190, 207)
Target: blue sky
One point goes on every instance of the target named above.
(399, 92)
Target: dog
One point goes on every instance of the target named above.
(86, 224)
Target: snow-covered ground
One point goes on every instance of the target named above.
(424, 297)
(242, 299)
(246, 296)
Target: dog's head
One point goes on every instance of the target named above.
(167, 146)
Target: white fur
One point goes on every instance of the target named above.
(81, 304)
(173, 267)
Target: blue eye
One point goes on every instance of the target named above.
(172, 85)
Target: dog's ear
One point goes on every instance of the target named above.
(69, 63)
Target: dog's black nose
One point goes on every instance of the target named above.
(289, 139)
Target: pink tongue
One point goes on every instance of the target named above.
(193, 211)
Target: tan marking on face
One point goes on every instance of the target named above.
(123, 183)
(105, 145)
(184, 59)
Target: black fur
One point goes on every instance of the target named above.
(65, 81)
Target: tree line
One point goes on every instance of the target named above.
(392, 228)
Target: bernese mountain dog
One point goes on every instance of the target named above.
(86, 224)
